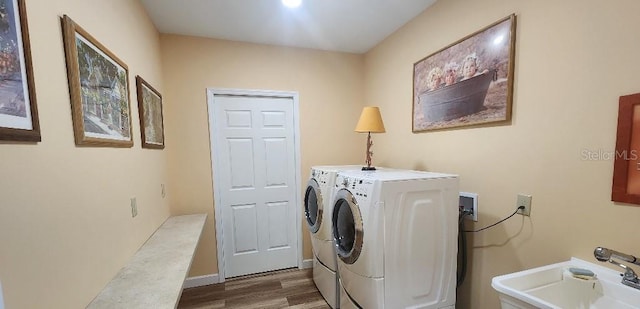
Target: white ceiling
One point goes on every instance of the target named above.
(337, 25)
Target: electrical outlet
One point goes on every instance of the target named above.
(134, 207)
(524, 200)
(469, 202)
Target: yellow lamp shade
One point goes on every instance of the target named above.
(370, 121)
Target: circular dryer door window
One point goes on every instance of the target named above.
(313, 206)
(347, 227)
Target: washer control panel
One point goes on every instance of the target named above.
(361, 188)
(321, 176)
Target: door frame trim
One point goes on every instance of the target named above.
(211, 93)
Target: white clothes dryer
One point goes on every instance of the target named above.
(396, 238)
(318, 206)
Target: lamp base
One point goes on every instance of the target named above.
(368, 168)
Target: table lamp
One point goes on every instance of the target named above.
(370, 122)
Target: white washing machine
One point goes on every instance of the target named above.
(396, 238)
(318, 207)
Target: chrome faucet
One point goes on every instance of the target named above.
(629, 277)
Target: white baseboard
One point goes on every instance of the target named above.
(193, 282)
(306, 264)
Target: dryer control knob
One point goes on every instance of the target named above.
(345, 182)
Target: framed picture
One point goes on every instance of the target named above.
(626, 166)
(469, 82)
(18, 110)
(99, 90)
(150, 112)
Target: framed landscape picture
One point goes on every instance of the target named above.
(150, 112)
(99, 90)
(18, 109)
(469, 82)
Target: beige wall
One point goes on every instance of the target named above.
(330, 91)
(573, 60)
(65, 220)
(65, 217)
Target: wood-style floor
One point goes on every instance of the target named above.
(281, 289)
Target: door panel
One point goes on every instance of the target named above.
(274, 119)
(255, 175)
(276, 153)
(278, 237)
(246, 235)
(238, 119)
(241, 162)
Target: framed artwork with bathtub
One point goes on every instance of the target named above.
(469, 82)
(626, 166)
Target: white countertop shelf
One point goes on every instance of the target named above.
(155, 275)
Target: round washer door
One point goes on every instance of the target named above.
(347, 227)
(313, 205)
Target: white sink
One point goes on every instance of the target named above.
(554, 287)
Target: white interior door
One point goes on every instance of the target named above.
(255, 172)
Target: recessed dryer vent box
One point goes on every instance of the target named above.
(469, 202)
